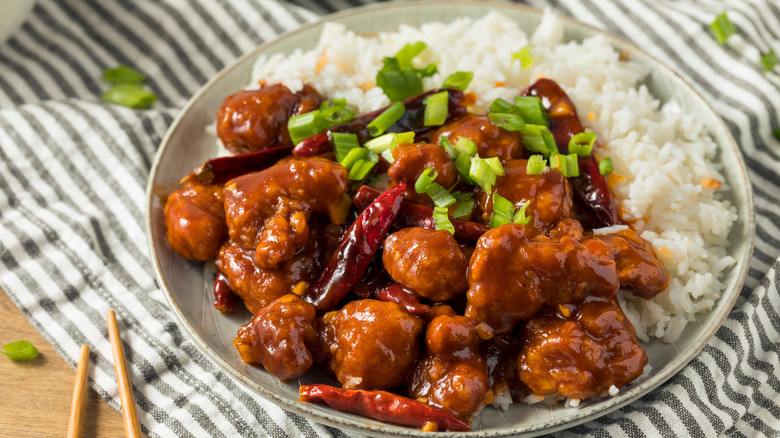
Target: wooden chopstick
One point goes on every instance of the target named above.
(132, 427)
(76, 422)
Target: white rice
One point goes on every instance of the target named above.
(661, 155)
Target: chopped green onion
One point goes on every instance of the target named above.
(360, 169)
(20, 350)
(524, 56)
(537, 138)
(557, 162)
(302, 126)
(549, 141)
(462, 196)
(333, 115)
(382, 143)
(572, 166)
(495, 164)
(536, 165)
(339, 101)
(409, 52)
(463, 164)
(436, 109)
(429, 70)
(445, 143)
(531, 110)
(464, 208)
(769, 61)
(508, 121)
(520, 217)
(465, 146)
(405, 137)
(722, 28)
(440, 196)
(425, 180)
(388, 156)
(502, 106)
(503, 211)
(123, 75)
(482, 173)
(459, 80)
(582, 143)
(441, 219)
(129, 95)
(605, 165)
(330, 113)
(343, 143)
(385, 120)
(353, 156)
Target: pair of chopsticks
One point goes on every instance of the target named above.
(76, 423)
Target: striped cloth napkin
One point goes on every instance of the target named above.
(73, 171)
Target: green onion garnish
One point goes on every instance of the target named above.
(302, 126)
(353, 156)
(536, 138)
(123, 75)
(339, 101)
(520, 217)
(605, 165)
(129, 95)
(445, 143)
(495, 164)
(428, 70)
(507, 121)
(409, 52)
(549, 141)
(440, 196)
(343, 143)
(385, 120)
(436, 109)
(503, 211)
(333, 115)
(20, 350)
(441, 219)
(531, 110)
(524, 56)
(462, 196)
(482, 174)
(425, 180)
(463, 164)
(330, 113)
(388, 156)
(463, 209)
(466, 146)
(360, 169)
(582, 143)
(769, 61)
(572, 166)
(502, 106)
(397, 78)
(722, 28)
(536, 165)
(459, 80)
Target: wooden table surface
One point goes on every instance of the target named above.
(35, 395)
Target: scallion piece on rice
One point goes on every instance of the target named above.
(343, 143)
(507, 121)
(436, 108)
(425, 180)
(464, 208)
(536, 165)
(503, 211)
(440, 196)
(722, 28)
(445, 143)
(531, 110)
(520, 217)
(459, 80)
(385, 120)
(441, 219)
(769, 61)
(409, 52)
(605, 165)
(524, 56)
(582, 143)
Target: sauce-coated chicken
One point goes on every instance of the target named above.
(491, 140)
(195, 221)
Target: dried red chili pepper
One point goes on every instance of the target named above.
(412, 120)
(413, 214)
(223, 169)
(224, 297)
(382, 406)
(402, 296)
(590, 186)
(355, 250)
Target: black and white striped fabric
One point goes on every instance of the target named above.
(73, 172)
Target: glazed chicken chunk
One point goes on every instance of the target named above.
(491, 140)
(582, 355)
(512, 277)
(195, 221)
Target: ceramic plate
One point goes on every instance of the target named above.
(187, 285)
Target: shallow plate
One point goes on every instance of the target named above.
(187, 284)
